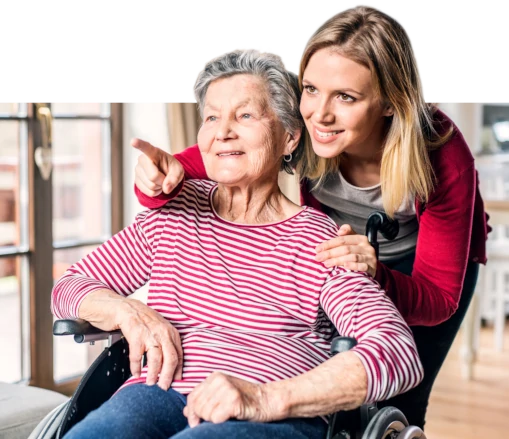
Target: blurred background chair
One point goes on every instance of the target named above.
(491, 301)
(23, 407)
(494, 280)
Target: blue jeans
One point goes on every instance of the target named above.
(139, 411)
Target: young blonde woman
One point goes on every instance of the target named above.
(373, 143)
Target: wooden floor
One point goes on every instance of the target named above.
(461, 409)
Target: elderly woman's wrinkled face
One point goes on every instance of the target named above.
(241, 140)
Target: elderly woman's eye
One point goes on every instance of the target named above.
(211, 118)
(246, 116)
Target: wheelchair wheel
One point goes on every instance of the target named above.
(388, 423)
(412, 432)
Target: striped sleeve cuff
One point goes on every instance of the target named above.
(383, 381)
(69, 292)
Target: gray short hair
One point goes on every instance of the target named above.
(282, 86)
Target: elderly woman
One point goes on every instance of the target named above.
(240, 315)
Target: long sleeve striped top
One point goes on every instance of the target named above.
(247, 300)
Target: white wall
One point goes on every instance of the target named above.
(468, 116)
(148, 122)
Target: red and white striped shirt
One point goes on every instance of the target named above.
(248, 300)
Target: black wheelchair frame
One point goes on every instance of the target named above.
(111, 369)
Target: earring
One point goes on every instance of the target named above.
(288, 158)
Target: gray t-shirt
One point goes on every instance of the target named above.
(356, 204)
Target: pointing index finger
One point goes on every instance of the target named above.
(146, 148)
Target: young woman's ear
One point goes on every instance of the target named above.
(388, 110)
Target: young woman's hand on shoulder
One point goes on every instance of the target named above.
(349, 250)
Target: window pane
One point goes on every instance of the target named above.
(70, 359)
(10, 319)
(89, 109)
(9, 108)
(9, 183)
(80, 180)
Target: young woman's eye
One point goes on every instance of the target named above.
(346, 98)
(310, 89)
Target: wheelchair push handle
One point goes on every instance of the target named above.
(389, 228)
(380, 222)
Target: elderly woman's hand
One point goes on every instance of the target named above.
(147, 331)
(221, 397)
(348, 250)
(157, 171)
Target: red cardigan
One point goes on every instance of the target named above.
(452, 230)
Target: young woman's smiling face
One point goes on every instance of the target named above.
(340, 107)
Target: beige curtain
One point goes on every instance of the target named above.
(183, 123)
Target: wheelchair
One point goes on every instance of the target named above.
(111, 369)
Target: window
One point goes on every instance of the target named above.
(48, 224)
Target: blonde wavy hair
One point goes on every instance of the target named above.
(378, 42)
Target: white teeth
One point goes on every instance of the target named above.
(330, 133)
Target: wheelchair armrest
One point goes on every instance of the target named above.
(82, 330)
